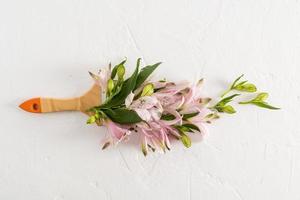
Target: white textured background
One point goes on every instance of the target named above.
(47, 47)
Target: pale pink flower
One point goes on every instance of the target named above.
(193, 94)
(192, 104)
(172, 88)
(171, 96)
(184, 99)
(147, 107)
(102, 77)
(116, 131)
(154, 136)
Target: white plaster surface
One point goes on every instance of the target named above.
(47, 47)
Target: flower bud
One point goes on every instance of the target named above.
(261, 96)
(248, 87)
(186, 141)
(91, 120)
(228, 109)
(148, 90)
(121, 72)
(110, 85)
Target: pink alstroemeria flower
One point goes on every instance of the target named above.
(170, 96)
(193, 94)
(201, 122)
(154, 135)
(116, 131)
(147, 107)
(193, 104)
(102, 77)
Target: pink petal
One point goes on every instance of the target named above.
(116, 130)
(143, 113)
(145, 102)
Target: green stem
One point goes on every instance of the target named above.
(245, 102)
(226, 92)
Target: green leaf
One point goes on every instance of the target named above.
(114, 70)
(235, 81)
(259, 101)
(126, 88)
(145, 73)
(232, 86)
(123, 116)
(167, 117)
(179, 129)
(184, 129)
(191, 126)
(189, 115)
(226, 100)
(186, 141)
(240, 86)
(115, 91)
(240, 83)
(261, 97)
(249, 87)
(265, 105)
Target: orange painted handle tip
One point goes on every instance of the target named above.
(32, 105)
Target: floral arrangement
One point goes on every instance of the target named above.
(159, 111)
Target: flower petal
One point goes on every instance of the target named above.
(115, 130)
(143, 113)
(129, 100)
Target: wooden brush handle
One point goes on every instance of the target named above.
(83, 103)
(56, 105)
